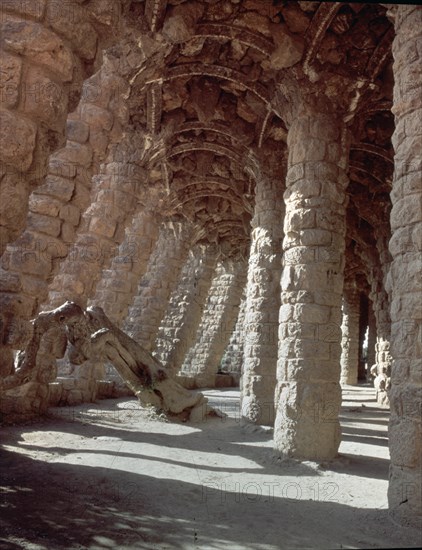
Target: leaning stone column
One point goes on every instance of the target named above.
(178, 328)
(119, 282)
(308, 394)
(262, 305)
(115, 193)
(232, 360)
(218, 320)
(384, 358)
(350, 335)
(405, 432)
(159, 281)
(116, 289)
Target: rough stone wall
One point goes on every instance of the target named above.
(114, 292)
(101, 231)
(177, 330)
(47, 50)
(405, 431)
(56, 206)
(155, 287)
(205, 97)
(219, 317)
(349, 360)
(33, 398)
(308, 394)
(263, 304)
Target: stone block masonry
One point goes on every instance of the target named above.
(262, 304)
(47, 49)
(156, 286)
(103, 224)
(232, 360)
(118, 117)
(114, 293)
(57, 205)
(178, 328)
(119, 283)
(405, 431)
(350, 335)
(308, 394)
(219, 317)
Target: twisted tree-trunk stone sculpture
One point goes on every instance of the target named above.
(92, 336)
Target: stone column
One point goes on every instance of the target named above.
(119, 283)
(383, 359)
(115, 194)
(159, 281)
(219, 317)
(372, 335)
(350, 335)
(114, 293)
(308, 394)
(178, 328)
(232, 360)
(405, 432)
(363, 327)
(262, 305)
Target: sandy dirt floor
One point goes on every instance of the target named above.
(113, 476)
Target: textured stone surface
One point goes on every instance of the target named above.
(218, 319)
(232, 360)
(119, 283)
(308, 371)
(118, 116)
(101, 228)
(350, 335)
(55, 207)
(178, 328)
(383, 359)
(262, 305)
(405, 487)
(17, 140)
(372, 336)
(159, 281)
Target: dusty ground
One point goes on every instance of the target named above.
(109, 476)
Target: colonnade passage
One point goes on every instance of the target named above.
(238, 186)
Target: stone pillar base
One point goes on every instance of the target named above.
(257, 411)
(307, 425)
(405, 496)
(23, 403)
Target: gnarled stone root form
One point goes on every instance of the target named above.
(93, 337)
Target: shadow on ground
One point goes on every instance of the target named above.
(139, 484)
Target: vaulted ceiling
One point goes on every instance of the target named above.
(215, 93)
